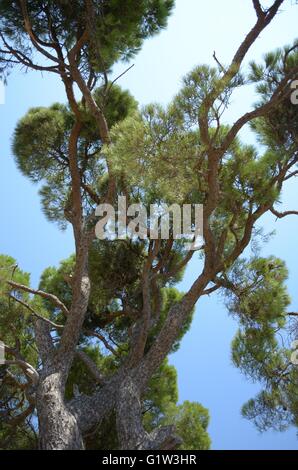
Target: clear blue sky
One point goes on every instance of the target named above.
(195, 30)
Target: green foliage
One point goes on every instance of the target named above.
(22, 437)
(119, 27)
(155, 153)
(40, 147)
(115, 269)
(259, 294)
(255, 351)
(15, 326)
(278, 130)
(15, 331)
(40, 141)
(276, 408)
(197, 85)
(115, 103)
(259, 355)
(258, 297)
(191, 420)
(260, 349)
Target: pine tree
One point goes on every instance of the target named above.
(90, 345)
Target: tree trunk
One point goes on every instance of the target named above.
(131, 433)
(58, 427)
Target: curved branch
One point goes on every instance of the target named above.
(53, 298)
(38, 43)
(280, 215)
(30, 372)
(35, 314)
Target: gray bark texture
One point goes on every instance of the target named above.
(58, 427)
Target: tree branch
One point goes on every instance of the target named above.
(91, 365)
(259, 10)
(35, 314)
(27, 368)
(53, 298)
(34, 39)
(280, 215)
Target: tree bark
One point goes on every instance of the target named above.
(131, 433)
(58, 427)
